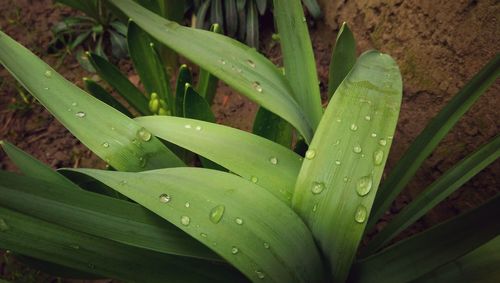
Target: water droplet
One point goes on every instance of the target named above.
(3, 225)
(304, 19)
(337, 142)
(203, 235)
(91, 265)
(374, 135)
(273, 160)
(337, 162)
(390, 137)
(317, 187)
(310, 153)
(122, 182)
(216, 213)
(222, 61)
(187, 126)
(254, 179)
(357, 148)
(251, 63)
(74, 104)
(257, 86)
(354, 127)
(238, 221)
(75, 247)
(46, 88)
(315, 207)
(48, 73)
(185, 220)
(187, 205)
(364, 185)
(261, 275)
(113, 128)
(360, 215)
(338, 120)
(234, 250)
(382, 142)
(142, 161)
(80, 114)
(144, 135)
(378, 157)
(105, 144)
(346, 179)
(198, 128)
(164, 198)
(368, 117)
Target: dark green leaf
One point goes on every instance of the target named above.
(343, 58)
(100, 93)
(270, 126)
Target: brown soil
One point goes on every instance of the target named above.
(439, 45)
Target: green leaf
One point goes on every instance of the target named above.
(480, 265)
(231, 15)
(148, 64)
(237, 219)
(272, 127)
(207, 84)
(252, 25)
(430, 137)
(261, 6)
(184, 77)
(49, 242)
(202, 14)
(118, 81)
(266, 163)
(114, 137)
(298, 57)
(88, 7)
(343, 58)
(340, 175)
(431, 249)
(31, 167)
(195, 107)
(244, 69)
(97, 215)
(118, 44)
(100, 93)
(216, 15)
(435, 193)
(313, 8)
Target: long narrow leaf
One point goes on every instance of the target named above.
(298, 57)
(343, 58)
(313, 8)
(118, 81)
(480, 265)
(430, 137)
(265, 163)
(31, 167)
(207, 84)
(97, 215)
(270, 126)
(184, 77)
(113, 136)
(237, 219)
(100, 93)
(252, 25)
(435, 193)
(431, 249)
(148, 64)
(340, 175)
(242, 68)
(45, 241)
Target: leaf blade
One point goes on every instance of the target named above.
(337, 182)
(343, 58)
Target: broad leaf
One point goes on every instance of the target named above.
(118, 140)
(242, 68)
(32, 237)
(265, 163)
(237, 219)
(345, 161)
(97, 215)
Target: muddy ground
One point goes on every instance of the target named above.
(439, 45)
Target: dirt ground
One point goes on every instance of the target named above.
(438, 44)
